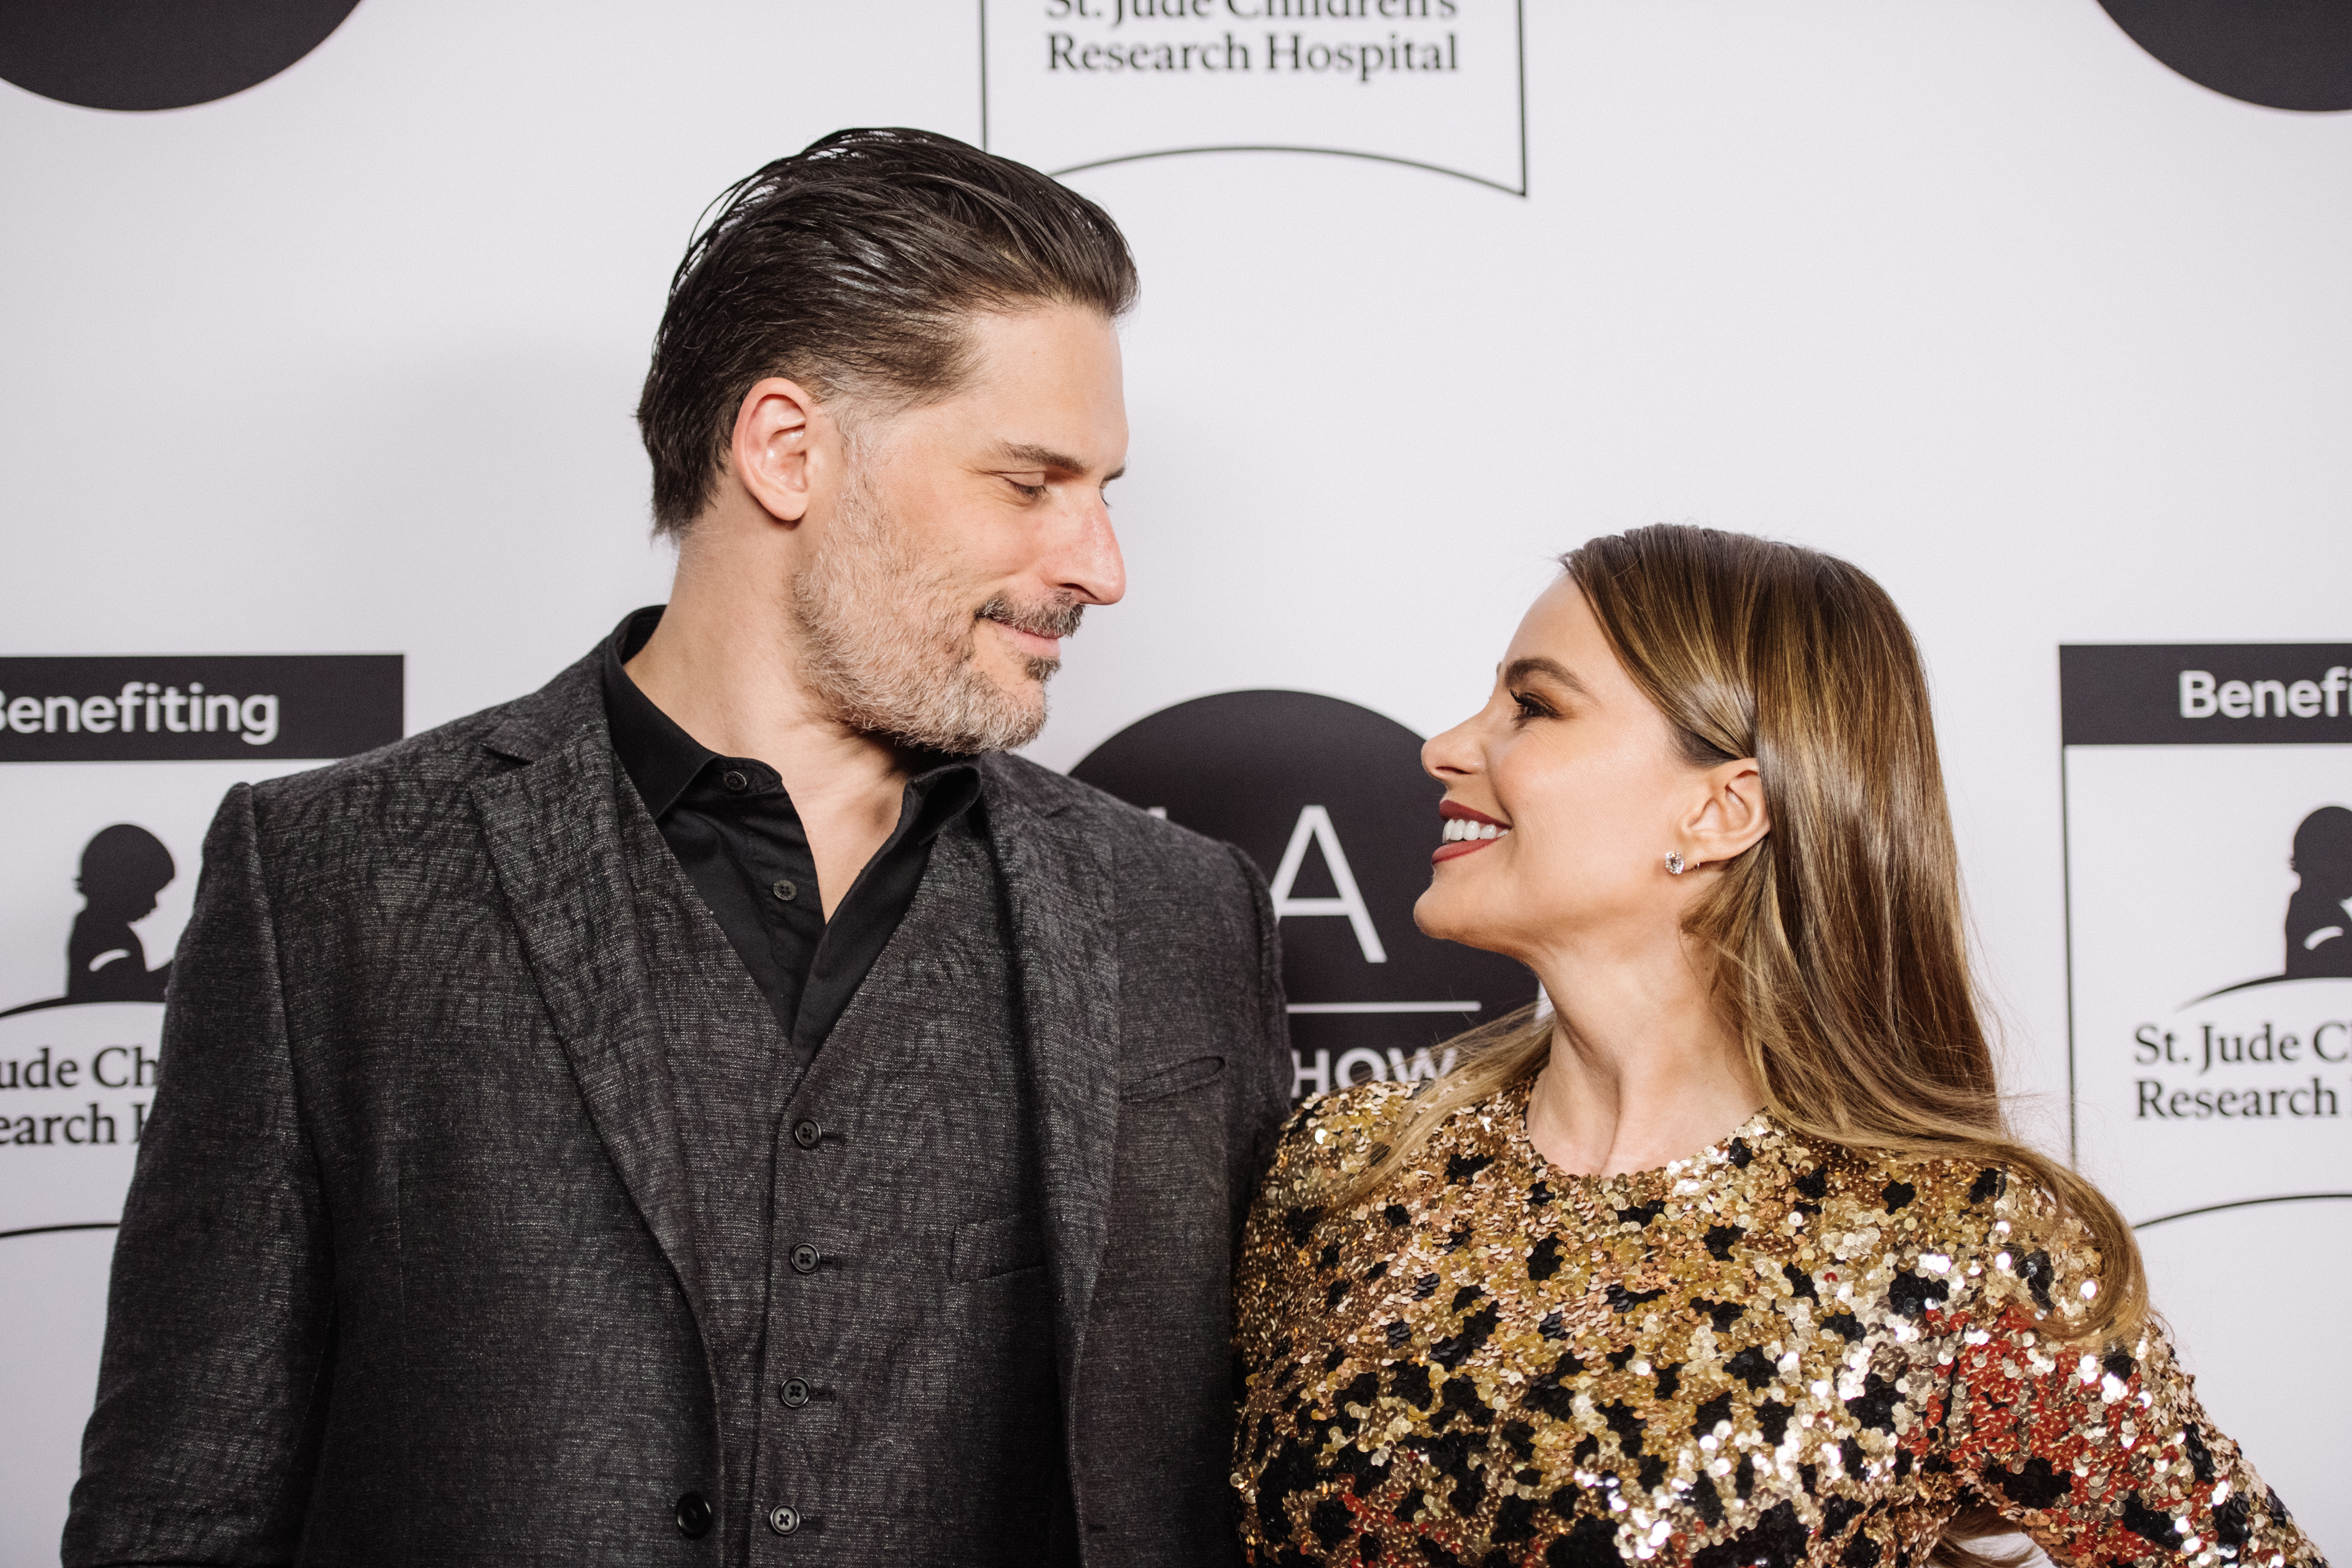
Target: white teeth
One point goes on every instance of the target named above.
(1461, 829)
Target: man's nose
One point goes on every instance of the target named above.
(1086, 561)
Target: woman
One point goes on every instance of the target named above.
(1726, 1260)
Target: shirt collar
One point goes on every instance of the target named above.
(662, 759)
(945, 790)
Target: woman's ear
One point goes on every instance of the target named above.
(1731, 817)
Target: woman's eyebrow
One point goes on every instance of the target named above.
(1552, 669)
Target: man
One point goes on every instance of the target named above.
(720, 1108)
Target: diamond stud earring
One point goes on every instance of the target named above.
(1673, 862)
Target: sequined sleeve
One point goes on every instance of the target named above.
(1276, 1280)
(2098, 1458)
(1262, 1285)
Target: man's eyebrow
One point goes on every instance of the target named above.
(1549, 669)
(1045, 457)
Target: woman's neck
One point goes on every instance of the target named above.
(1643, 1071)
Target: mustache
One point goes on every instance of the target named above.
(1057, 618)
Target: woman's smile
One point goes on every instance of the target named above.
(1465, 832)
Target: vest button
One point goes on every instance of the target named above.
(804, 1258)
(693, 1516)
(783, 1518)
(794, 1393)
(807, 1133)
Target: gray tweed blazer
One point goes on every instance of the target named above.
(407, 1275)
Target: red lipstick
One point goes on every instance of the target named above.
(1455, 849)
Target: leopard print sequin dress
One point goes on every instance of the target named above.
(1774, 1352)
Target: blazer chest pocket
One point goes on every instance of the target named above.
(987, 1248)
(1174, 1079)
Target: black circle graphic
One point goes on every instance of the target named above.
(157, 54)
(1271, 770)
(2281, 54)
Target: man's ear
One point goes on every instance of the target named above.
(1732, 815)
(773, 451)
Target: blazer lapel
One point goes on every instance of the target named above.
(1059, 894)
(554, 834)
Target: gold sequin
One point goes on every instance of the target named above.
(1776, 1351)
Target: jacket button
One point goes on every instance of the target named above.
(735, 781)
(783, 1518)
(782, 888)
(693, 1516)
(804, 1258)
(807, 1133)
(794, 1393)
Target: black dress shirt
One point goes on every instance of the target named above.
(736, 833)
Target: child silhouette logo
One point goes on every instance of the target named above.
(2319, 912)
(2319, 915)
(123, 868)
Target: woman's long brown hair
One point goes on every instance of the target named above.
(1840, 960)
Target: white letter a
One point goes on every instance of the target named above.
(1314, 825)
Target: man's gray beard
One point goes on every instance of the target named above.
(891, 651)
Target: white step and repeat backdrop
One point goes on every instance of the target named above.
(324, 321)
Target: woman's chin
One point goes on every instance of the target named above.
(1439, 916)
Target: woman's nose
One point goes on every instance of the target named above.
(1451, 753)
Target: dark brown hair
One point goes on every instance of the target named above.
(853, 267)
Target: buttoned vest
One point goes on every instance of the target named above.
(869, 1247)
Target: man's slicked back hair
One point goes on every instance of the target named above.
(854, 267)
